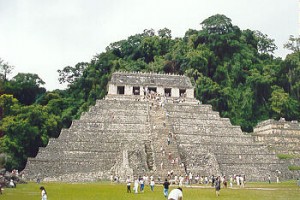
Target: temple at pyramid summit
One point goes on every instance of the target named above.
(151, 124)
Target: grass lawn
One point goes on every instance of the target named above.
(111, 191)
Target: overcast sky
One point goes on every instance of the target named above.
(42, 36)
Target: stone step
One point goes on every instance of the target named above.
(188, 107)
(241, 139)
(229, 148)
(121, 104)
(116, 112)
(86, 126)
(66, 166)
(278, 139)
(115, 120)
(100, 137)
(206, 124)
(90, 145)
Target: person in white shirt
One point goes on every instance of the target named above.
(136, 186)
(128, 183)
(152, 183)
(43, 193)
(176, 194)
(12, 184)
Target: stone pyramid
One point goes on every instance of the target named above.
(151, 124)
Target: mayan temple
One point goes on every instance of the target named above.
(151, 124)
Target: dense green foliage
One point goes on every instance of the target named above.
(287, 156)
(107, 191)
(234, 70)
(294, 167)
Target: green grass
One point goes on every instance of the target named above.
(287, 156)
(294, 167)
(108, 191)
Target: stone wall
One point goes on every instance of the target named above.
(283, 137)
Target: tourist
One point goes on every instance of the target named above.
(43, 193)
(237, 180)
(181, 179)
(166, 187)
(146, 178)
(128, 183)
(197, 179)
(142, 183)
(224, 181)
(11, 184)
(190, 178)
(152, 183)
(218, 186)
(230, 181)
(212, 180)
(176, 194)
(201, 180)
(206, 180)
(176, 179)
(136, 186)
(242, 182)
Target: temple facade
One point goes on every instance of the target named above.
(141, 84)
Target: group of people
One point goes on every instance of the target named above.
(217, 182)
(139, 184)
(206, 180)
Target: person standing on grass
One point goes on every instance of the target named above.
(43, 193)
(152, 183)
(166, 187)
(176, 194)
(218, 186)
(136, 186)
(142, 184)
(128, 183)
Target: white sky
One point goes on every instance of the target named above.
(42, 36)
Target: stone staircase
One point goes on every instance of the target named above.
(166, 155)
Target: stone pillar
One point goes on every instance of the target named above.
(161, 91)
(128, 90)
(175, 92)
(112, 89)
(142, 90)
(190, 93)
